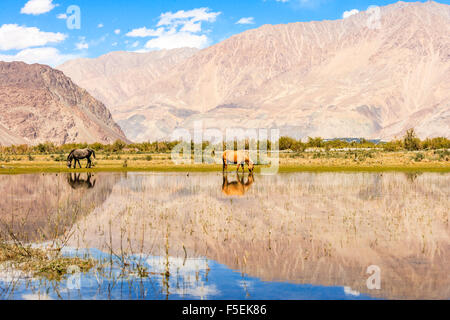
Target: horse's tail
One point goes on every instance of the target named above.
(93, 152)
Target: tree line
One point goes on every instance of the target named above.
(410, 142)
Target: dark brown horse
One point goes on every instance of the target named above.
(79, 154)
(76, 182)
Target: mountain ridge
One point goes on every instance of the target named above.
(40, 104)
(330, 78)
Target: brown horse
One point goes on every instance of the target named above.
(238, 187)
(237, 157)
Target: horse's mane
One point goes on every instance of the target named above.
(70, 154)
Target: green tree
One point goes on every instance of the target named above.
(411, 142)
(118, 145)
(286, 143)
(315, 142)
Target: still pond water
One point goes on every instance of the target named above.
(209, 236)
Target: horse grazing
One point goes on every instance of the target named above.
(237, 157)
(79, 154)
(238, 187)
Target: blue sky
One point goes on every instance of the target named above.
(39, 30)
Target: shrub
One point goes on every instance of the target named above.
(411, 142)
(419, 157)
(118, 145)
(60, 158)
(443, 154)
(315, 142)
(392, 146)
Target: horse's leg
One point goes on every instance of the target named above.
(79, 163)
(225, 179)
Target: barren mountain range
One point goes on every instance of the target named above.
(39, 104)
(357, 77)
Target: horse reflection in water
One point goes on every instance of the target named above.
(238, 187)
(76, 182)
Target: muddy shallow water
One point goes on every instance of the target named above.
(206, 236)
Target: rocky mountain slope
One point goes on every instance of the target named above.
(38, 104)
(118, 76)
(357, 77)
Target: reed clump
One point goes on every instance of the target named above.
(40, 263)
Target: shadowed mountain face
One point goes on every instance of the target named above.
(344, 78)
(321, 229)
(38, 104)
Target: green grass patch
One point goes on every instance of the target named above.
(416, 166)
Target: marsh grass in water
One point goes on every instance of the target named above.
(39, 262)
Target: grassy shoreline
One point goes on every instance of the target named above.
(289, 162)
(215, 168)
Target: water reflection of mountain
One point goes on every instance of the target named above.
(40, 206)
(322, 229)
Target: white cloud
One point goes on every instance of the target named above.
(37, 7)
(45, 55)
(248, 20)
(351, 292)
(178, 29)
(349, 13)
(181, 17)
(36, 297)
(178, 40)
(62, 16)
(135, 44)
(82, 45)
(308, 4)
(117, 31)
(144, 32)
(191, 26)
(13, 36)
(100, 25)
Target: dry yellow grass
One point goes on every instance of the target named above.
(316, 161)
